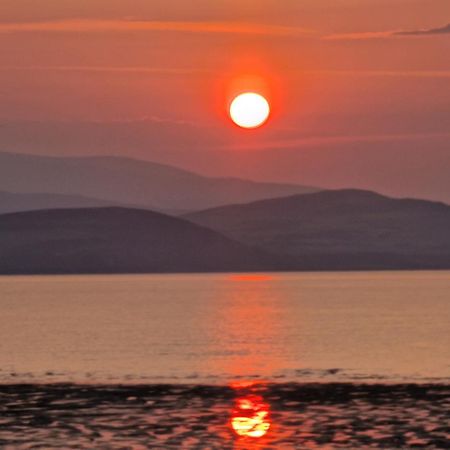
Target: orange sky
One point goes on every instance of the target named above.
(360, 89)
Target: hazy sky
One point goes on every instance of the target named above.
(360, 89)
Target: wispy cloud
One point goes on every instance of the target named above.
(358, 36)
(309, 141)
(389, 34)
(96, 26)
(187, 71)
(119, 69)
(432, 31)
(383, 73)
(141, 120)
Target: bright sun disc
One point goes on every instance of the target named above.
(249, 110)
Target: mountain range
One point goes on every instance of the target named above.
(114, 215)
(337, 230)
(129, 182)
(344, 229)
(118, 240)
(10, 202)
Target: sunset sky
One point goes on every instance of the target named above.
(360, 89)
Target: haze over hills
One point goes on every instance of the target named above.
(10, 202)
(345, 229)
(330, 230)
(322, 230)
(125, 181)
(117, 240)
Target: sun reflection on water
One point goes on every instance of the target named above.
(251, 416)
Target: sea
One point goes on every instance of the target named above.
(335, 359)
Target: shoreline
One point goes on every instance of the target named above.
(230, 272)
(317, 415)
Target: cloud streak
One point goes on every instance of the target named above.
(311, 141)
(209, 27)
(100, 69)
(188, 71)
(101, 26)
(389, 34)
(432, 31)
(382, 73)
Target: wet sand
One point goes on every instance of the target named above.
(187, 416)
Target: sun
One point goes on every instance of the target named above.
(249, 110)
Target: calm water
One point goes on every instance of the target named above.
(389, 326)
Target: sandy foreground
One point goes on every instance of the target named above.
(187, 416)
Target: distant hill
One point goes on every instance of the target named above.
(10, 202)
(117, 240)
(126, 181)
(344, 229)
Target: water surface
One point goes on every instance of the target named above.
(213, 329)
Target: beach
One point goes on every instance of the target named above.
(195, 416)
(304, 360)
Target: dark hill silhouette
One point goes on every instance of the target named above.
(117, 240)
(10, 202)
(344, 229)
(125, 181)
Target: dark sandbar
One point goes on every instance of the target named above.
(195, 416)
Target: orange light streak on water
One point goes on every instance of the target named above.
(251, 416)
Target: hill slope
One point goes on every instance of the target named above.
(10, 202)
(346, 229)
(126, 181)
(117, 240)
